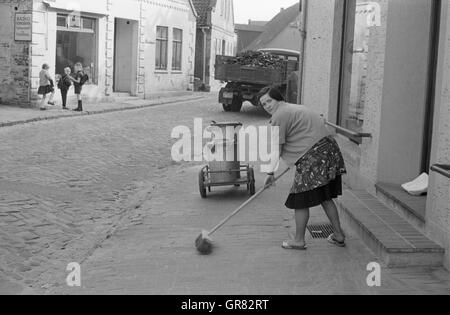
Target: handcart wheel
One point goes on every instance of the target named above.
(251, 179)
(201, 183)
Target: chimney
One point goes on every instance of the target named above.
(282, 9)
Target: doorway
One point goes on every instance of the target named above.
(125, 56)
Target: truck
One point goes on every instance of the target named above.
(244, 81)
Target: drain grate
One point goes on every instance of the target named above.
(320, 231)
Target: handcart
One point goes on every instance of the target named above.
(226, 172)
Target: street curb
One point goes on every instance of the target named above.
(99, 112)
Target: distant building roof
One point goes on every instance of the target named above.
(249, 28)
(259, 23)
(280, 22)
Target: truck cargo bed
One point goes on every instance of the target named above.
(228, 71)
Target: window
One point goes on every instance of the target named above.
(61, 20)
(354, 65)
(76, 42)
(162, 38)
(177, 49)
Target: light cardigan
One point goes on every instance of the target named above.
(299, 130)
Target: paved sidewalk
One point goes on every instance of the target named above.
(14, 115)
(158, 256)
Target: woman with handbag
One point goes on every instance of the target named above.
(306, 143)
(46, 86)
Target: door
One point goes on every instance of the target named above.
(125, 59)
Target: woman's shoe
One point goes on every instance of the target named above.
(51, 103)
(289, 245)
(335, 242)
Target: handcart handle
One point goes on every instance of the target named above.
(245, 204)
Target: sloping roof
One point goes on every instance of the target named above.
(259, 23)
(250, 28)
(203, 7)
(280, 22)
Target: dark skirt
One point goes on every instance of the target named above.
(43, 90)
(315, 197)
(77, 88)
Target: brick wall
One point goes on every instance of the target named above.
(14, 56)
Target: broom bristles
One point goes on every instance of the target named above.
(204, 244)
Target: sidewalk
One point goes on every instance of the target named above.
(157, 255)
(13, 115)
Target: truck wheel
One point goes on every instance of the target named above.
(201, 184)
(226, 107)
(251, 180)
(236, 106)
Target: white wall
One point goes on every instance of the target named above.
(177, 15)
(145, 16)
(222, 30)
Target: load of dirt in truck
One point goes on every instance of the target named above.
(247, 73)
(257, 59)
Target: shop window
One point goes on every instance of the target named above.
(162, 38)
(76, 42)
(177, 49)
(355, 65)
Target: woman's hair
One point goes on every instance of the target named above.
(273, 91)
(45, 66)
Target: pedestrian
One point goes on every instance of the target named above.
(306, 143)
(64, 84)
(46, 86)
(78, 81)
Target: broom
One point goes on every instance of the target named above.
(204, 242)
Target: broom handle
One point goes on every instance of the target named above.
(245, 204)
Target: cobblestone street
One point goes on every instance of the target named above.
(103, 191)
(65, 185)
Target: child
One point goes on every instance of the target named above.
(64, 84)
(46, 86)
(78, 84)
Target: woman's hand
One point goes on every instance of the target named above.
(270, 181)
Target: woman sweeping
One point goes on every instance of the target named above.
(306, 143)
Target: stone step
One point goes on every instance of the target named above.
(412, 208)
(396, 242)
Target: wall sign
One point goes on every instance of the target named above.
(23, 23)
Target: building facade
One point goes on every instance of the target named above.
(385, 78)
(131, 47)
(215, 36)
